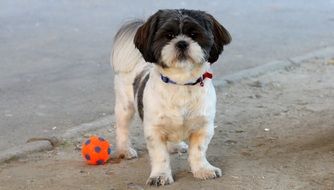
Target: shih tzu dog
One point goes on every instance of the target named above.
(162, 69)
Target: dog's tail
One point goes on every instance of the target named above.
(125, 56)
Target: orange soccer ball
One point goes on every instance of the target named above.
(96, 150)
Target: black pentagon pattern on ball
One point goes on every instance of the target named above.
(87, 157)
(99, 162)
(87, 142)
(109, 150)
(101, 139)
(97, 149)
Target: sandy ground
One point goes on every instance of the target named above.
(275, 131)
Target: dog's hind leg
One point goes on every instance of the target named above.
(124, 112)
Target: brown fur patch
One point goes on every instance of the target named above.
(197, 138)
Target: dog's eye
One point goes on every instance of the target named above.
(170, 35)
(193, 35)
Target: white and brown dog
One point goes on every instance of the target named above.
(162, 69)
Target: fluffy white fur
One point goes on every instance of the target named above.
(172, 113)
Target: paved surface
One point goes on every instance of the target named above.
(54, 70)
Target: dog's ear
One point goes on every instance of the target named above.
(144, 38)
(221, 37)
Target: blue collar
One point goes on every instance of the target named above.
(199, 80)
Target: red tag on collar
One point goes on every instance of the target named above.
(207, 75)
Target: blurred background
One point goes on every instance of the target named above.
(54, 54)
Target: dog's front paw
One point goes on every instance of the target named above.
(209, 172)
(181, 147)
(128, 153)
(160, 180)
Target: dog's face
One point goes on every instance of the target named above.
(181, 38)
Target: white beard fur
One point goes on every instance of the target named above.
(172, 113)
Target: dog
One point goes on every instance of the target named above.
(162, 70)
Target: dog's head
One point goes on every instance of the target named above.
(179, 38)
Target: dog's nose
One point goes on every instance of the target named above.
(182, 45)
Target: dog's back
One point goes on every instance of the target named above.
(125, 56)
